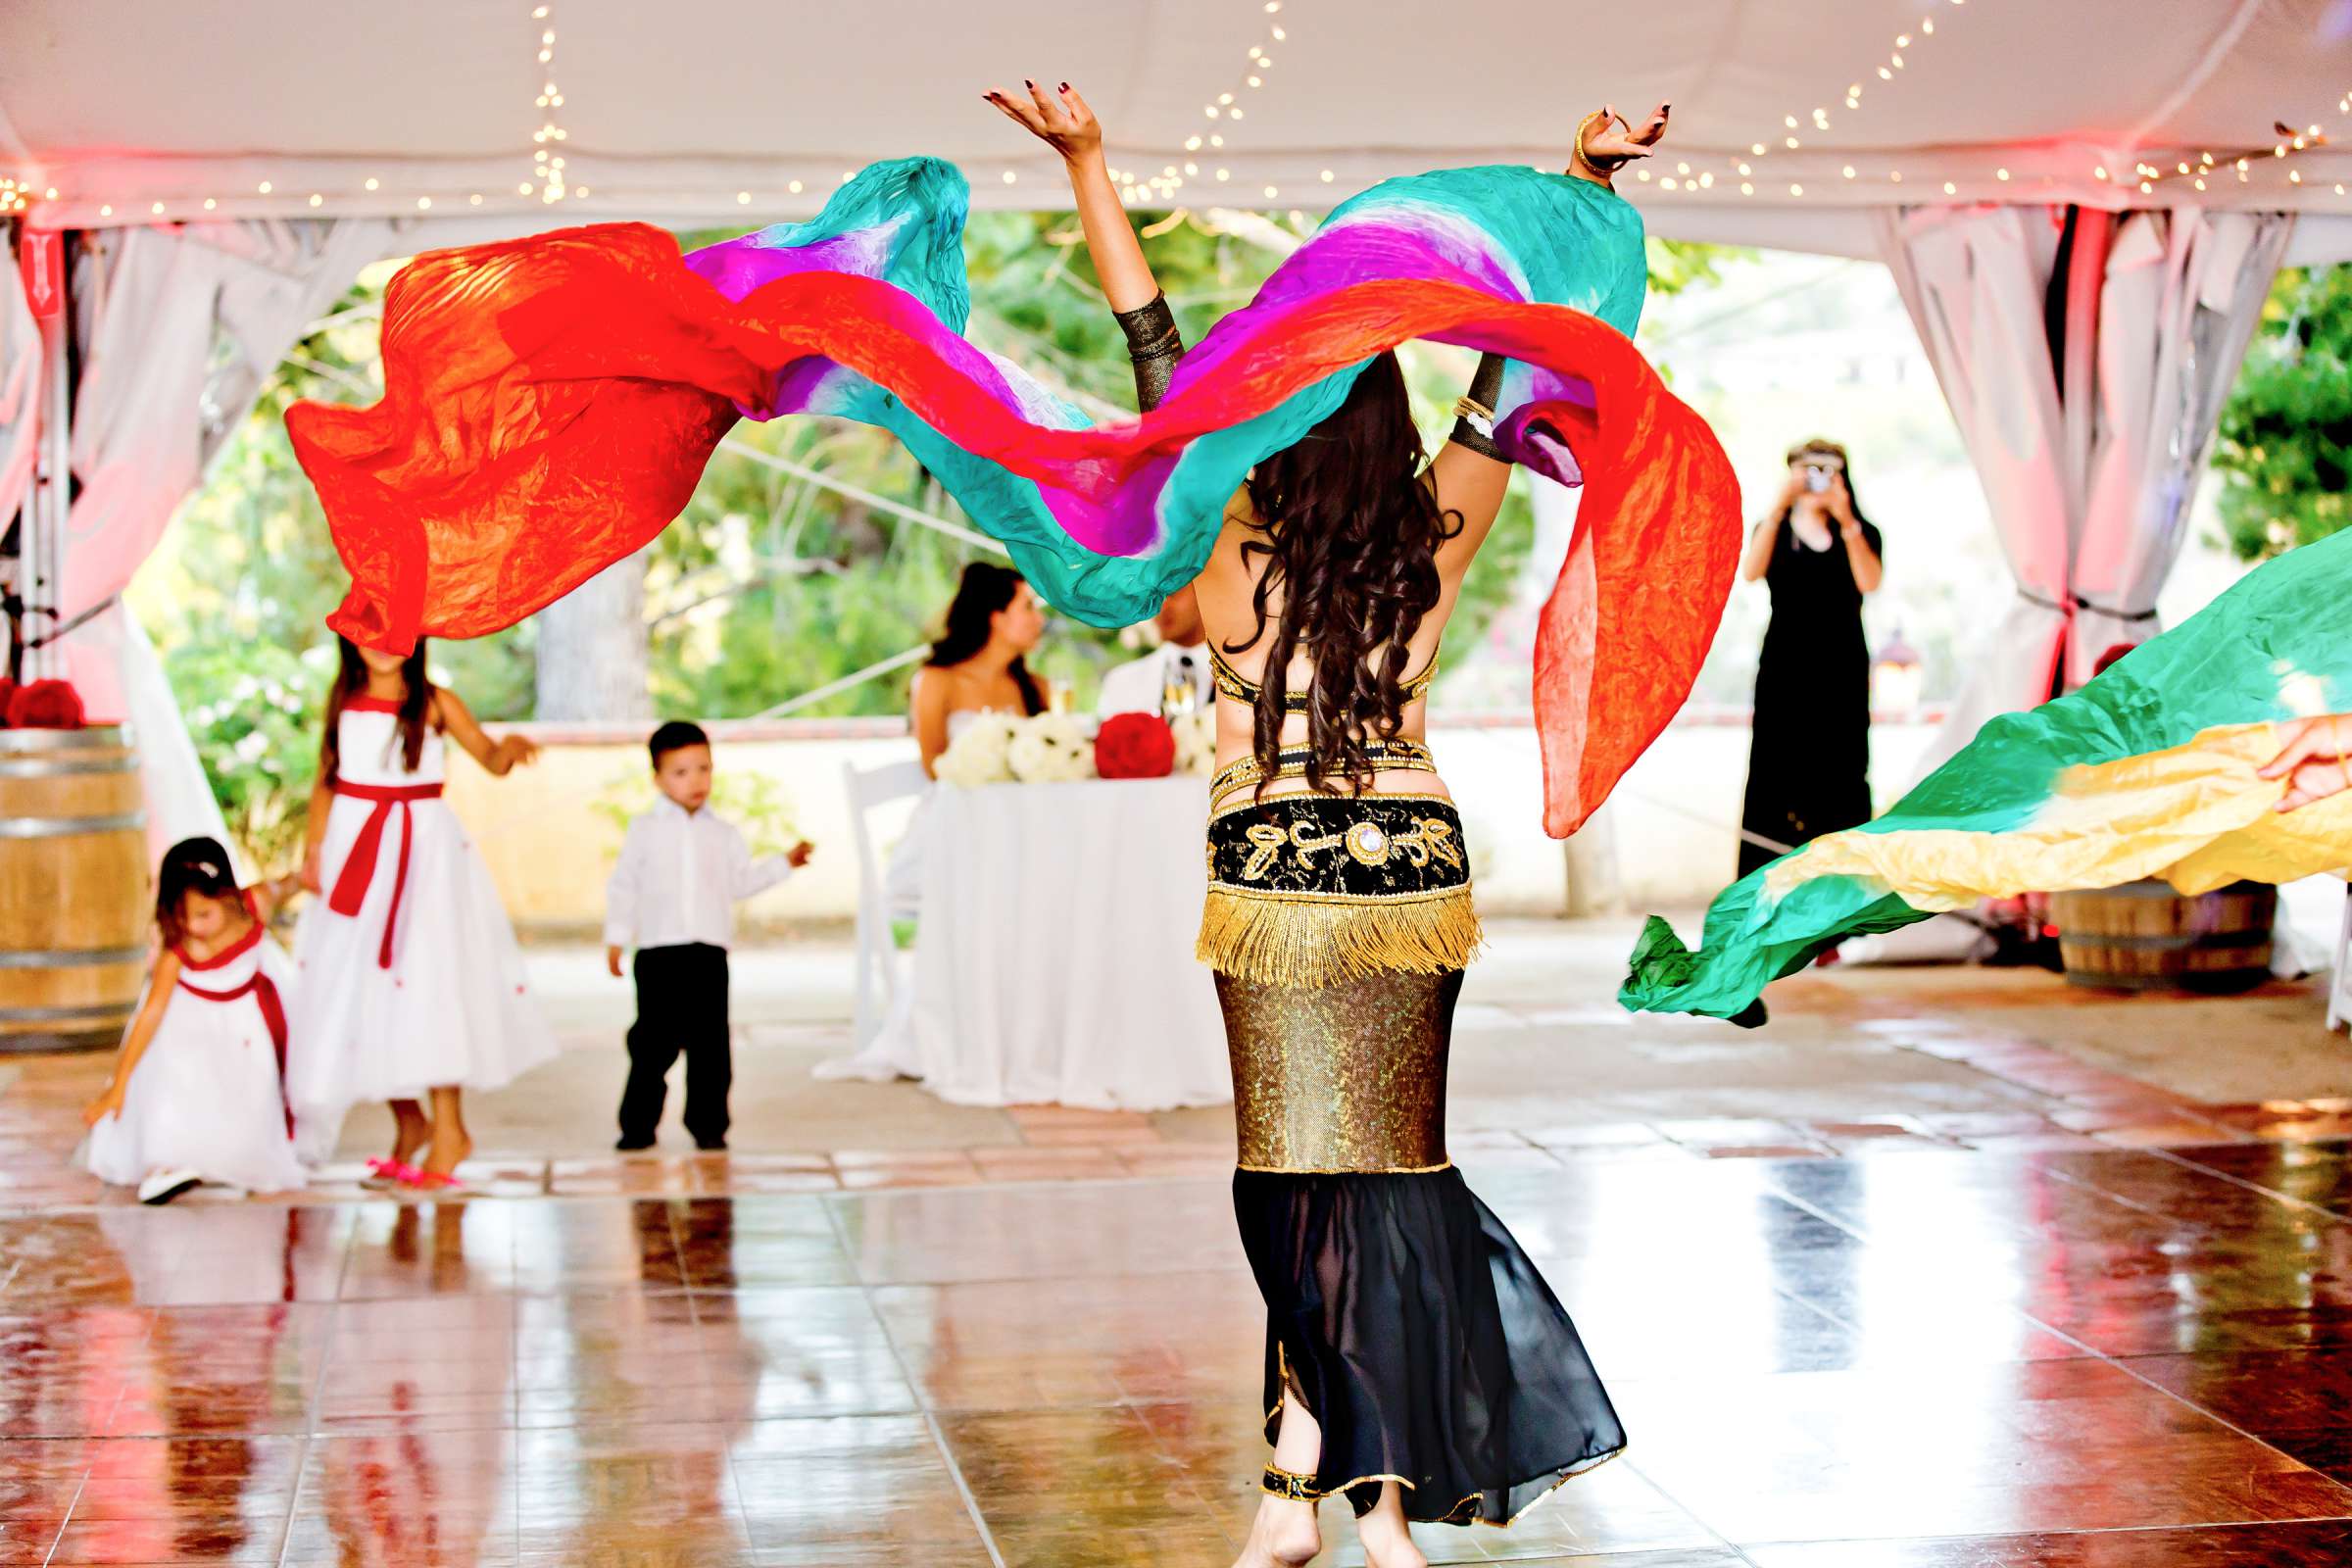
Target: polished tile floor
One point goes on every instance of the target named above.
(1946, 1357)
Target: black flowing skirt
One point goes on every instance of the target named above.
(1410, 1325)
(1399, 1312)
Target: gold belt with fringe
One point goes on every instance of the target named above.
(1313, 890)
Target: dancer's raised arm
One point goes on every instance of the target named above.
(1470, 473)
(1063, 123)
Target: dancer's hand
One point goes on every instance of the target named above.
(308, 876)
(516, 751)
(1061, 120)
(1614, 143)
(2316, 761)
(797, 856)
(109, 1104)
(612, 961)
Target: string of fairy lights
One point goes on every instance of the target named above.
(2208, 167)
(1199, 158)
(1203, 168)
(1794, 130)
(547, 155)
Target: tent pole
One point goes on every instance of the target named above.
(43, 540)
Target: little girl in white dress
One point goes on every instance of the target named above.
(199, 1093)
(413, 988)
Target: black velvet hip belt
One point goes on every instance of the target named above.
(1314, 890)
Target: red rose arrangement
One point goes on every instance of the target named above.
(1134, 746)
(44, 704)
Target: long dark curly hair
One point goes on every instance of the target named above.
(984, 589)
(1351, 531)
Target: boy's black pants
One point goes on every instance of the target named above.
(681, 1007)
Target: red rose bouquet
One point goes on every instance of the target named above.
(1134, 746)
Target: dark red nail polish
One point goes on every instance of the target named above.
(1065, 86)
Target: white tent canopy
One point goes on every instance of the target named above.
(715, 109)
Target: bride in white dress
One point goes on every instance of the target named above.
(979, 665)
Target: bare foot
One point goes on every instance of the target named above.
(1386, 1542)
(1284, 1534)
(448, 1153)
(410, 1131)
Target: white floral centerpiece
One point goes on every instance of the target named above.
(1195, 741)
(1050, 749)
(980, 753)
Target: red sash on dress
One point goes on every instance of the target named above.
(358, 867)
(262, 989)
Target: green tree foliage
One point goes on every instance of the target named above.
(2285, 444)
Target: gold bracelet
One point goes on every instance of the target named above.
(1469, 407)
(1584, 130)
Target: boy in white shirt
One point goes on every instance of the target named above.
(672, 898)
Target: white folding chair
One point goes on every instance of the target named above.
(877, 949)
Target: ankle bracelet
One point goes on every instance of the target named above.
(1281, 1483)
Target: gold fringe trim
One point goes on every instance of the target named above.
(1306, 943)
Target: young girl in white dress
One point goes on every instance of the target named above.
(413, 989)
(199, 1090)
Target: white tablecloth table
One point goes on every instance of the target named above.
(1053, 954)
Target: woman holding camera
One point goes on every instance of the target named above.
(1808, 769)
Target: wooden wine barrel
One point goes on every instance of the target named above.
(75, 904)
(2144, 935)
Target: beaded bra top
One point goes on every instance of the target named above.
(1397, 755)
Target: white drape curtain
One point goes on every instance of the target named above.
(180, 328)
(2088, 487)
(2183, 295)
(1973, 281)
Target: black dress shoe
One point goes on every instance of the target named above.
(633, 1146)
(711, 1146)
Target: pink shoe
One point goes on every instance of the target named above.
(388, 1173)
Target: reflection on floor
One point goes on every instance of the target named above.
(2070, 1357)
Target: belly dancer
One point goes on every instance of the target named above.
(1415, 1360)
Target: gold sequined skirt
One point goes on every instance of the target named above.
(1338, 927)
(1339, 1078)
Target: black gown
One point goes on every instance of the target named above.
(1808, 766)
